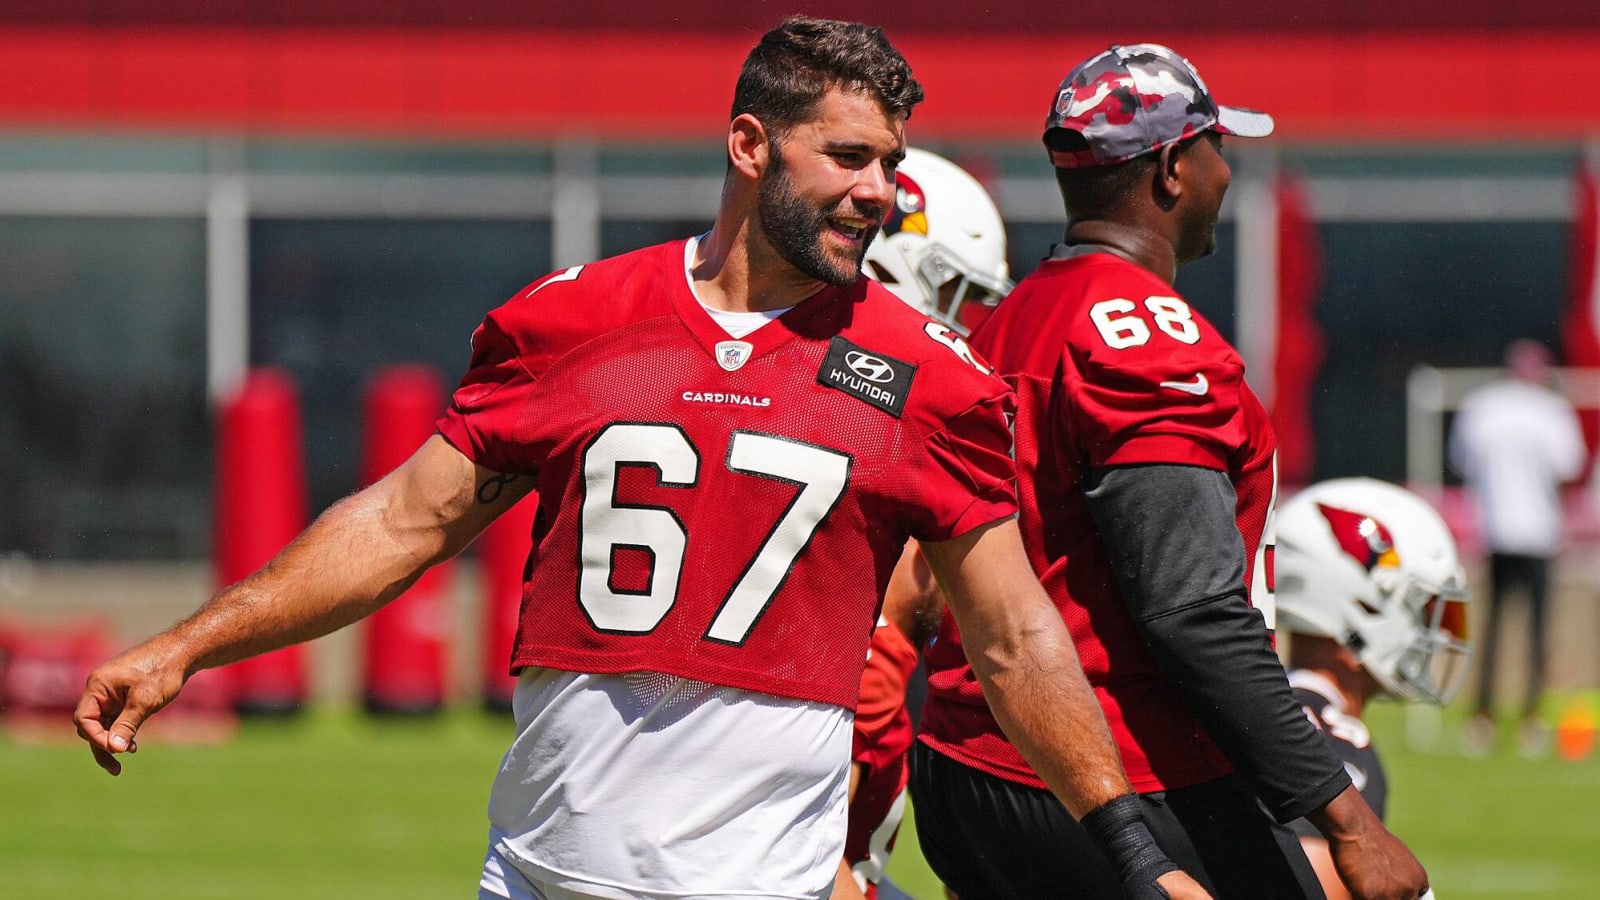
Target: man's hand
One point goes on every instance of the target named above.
(120, 695)
(1373, 863)
(1119, 830)
(1180, 886)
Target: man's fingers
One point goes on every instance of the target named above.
(105, 760)
(87, 717)
(1179, 886)
(94, 707)
(98, 705)
(126, 727)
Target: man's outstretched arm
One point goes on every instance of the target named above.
(361, 553)
(1024, 657)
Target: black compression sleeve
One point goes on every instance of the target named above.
(1172, 538)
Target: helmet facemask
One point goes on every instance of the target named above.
(1423, 652)
(942, 275)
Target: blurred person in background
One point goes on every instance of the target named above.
(1516, 443)
(943, 251)
(732, 438)
(1147, 480)
(1371, 596)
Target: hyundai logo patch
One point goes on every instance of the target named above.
(869, 367)
(877, 379)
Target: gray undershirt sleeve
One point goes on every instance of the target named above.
(1171, 535)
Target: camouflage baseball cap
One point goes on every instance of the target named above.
(1130, 100)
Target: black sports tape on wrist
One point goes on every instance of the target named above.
(1117, 826)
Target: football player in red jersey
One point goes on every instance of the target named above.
(1373, 599)
(1147, 482)
(732, 438)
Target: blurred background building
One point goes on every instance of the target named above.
(191, 189)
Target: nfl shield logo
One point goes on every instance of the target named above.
(733, 354)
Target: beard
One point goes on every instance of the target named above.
(1200, 239)
(794, 229)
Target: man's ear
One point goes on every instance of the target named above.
(1170, 163)
(749, 145)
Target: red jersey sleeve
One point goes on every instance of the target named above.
(1148, 380)
(971, 476)
(511, 351)
(482, 410)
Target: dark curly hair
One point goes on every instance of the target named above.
(786, 75)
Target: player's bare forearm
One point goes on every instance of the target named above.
(1036, 689)
(1316, 850)
(361, 553)
(1023, 655)
(844, 884)
(913, 602)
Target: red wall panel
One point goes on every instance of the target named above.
(1131, 18)
(1517, 85)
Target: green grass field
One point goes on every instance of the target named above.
(335, 805)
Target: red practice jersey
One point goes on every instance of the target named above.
(880, 743)
(1111, 368)
(723, 510)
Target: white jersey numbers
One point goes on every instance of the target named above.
(1121, 325)
(820, 474)
(608, 525)
(567, 274)
(957, 344)
(1264, 579)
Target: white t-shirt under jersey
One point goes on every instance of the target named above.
(651, 786)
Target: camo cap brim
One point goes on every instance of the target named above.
(1131, 100)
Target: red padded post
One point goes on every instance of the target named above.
(504, 553)
(403, 659)
(260, 505)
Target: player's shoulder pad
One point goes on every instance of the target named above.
(923, 341)
(619, 277)
(925, 362)
(589, 299)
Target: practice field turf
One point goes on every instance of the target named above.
(336, 805)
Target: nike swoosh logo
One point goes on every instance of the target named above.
(1197, 387)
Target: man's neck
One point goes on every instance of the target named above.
(1139, 245)
(734, 269)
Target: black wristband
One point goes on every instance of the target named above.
(1118, 828)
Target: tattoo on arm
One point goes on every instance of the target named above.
(491, 488)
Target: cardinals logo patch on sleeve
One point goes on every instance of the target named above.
(872, 377)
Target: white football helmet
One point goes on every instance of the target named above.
(1374, 567)
(944, 246)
